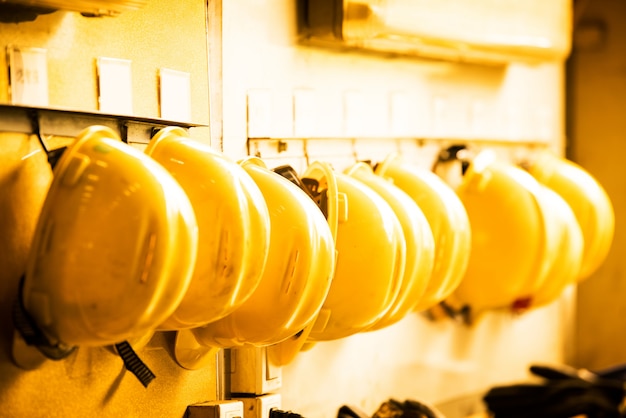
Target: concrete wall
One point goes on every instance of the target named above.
(351, 95)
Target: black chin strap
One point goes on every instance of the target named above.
(53, 155)
(134, 364)
(34, 336)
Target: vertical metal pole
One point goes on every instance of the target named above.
(214, 61)
(214, 50)
(221, 372)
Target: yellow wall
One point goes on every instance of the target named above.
(163, 34)
(597, 91)
(93, 382)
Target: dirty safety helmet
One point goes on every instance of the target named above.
(297, 276)
(371, 253)
(587, 198)
(447, 219)
(564, 269)
(508, 234)
(114, 247)
(420, 245)
(233, 227)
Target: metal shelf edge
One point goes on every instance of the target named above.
(66, 122)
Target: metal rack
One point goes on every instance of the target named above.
(68, 123)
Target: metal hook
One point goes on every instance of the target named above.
(305, 150)
(122, 125)
(153, 131)
(281, 146)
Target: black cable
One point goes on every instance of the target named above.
(52, 155)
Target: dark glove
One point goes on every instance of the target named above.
(565, 392)
(393, 409)
(406, 409)
(349, 411)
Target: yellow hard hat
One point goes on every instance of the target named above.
(371, 253)
(26, 182)
(420, 245)
(447, 219)
(233, 226)
(566, 263)
(509, 240)
(298, 273)
(549, 275)
(114, 247)
(587, 198)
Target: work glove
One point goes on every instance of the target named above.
(564, 392)
(393, 409)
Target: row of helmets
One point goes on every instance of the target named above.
(535, 230)
(182, 238)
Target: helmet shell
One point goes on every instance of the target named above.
(509, 234)
(114, 247)
(567, 261)
(371, 254)
(589, 201)
(448, 221)
(233, 227)
(420, 244)
(298, 273)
